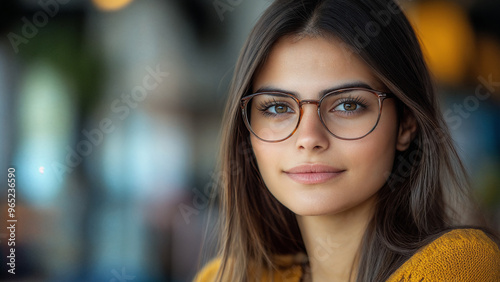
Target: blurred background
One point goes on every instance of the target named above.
(110, 114)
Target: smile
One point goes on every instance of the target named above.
(313, 174)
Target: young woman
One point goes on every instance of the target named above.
(338, 164)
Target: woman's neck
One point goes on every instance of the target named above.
(333, 242)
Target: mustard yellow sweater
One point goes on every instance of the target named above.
(459, 255)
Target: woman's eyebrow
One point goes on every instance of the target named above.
(354, 84)
(276, 89)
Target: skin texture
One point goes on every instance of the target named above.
(332, 215)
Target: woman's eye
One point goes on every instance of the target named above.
(279, 109)
(346, 107)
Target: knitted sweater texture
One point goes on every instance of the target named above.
(459, 255)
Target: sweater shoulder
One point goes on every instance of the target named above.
(460, 254)
(209, 272)
(292, 273)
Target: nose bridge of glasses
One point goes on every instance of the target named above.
(315, 102)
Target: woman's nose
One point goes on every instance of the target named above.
(311, 133)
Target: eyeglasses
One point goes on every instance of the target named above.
(348, 114)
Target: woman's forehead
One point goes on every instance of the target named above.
(308, 62)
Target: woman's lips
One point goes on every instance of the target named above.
(313, 173)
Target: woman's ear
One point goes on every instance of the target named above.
(407, 130)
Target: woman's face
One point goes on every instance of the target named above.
(313, 172)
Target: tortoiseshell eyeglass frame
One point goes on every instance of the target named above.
(380, 95)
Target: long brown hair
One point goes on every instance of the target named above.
(422, 193)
